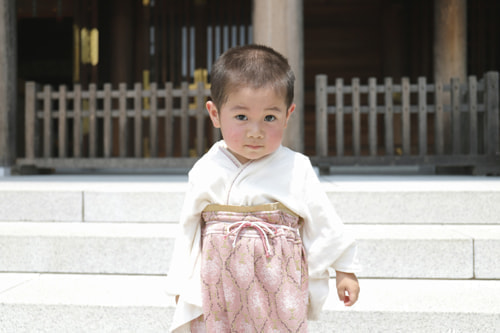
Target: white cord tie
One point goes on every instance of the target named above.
(263, 230)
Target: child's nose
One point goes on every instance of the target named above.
(254, 130)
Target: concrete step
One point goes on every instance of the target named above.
(106, 248)
(110, 303)
(158, 198)
(83, 303)
(415, 200)
(385, 251)
(88, 199)
(428, 251)
(395, 305)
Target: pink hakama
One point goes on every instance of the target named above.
(253, 271)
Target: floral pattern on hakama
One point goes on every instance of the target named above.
(252, 282)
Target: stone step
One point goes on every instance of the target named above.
(396, 305)
(83, 303)
(106, 248)
(158, 198)
(117, 303)
(385, 251)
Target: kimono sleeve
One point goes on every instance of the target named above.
(185, 259)
(326, 243)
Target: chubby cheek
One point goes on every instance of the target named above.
(232, 136)
(274, 138)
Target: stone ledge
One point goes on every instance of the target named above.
(486, 249)
(47, 205)
(385, 251)
(109, 248)
(128, 206)
(413, 251)
(77, 303)
(158, 198)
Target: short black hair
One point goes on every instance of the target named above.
(254, 66)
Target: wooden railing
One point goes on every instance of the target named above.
(433, 125)
(378, 124)
(121, 128)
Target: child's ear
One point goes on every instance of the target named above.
(289, 113)
(213, 113)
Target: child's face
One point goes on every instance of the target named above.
(252, 122)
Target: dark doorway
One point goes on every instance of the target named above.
(45, 50)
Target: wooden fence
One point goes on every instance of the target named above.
(422, 124)
(139, 128)
(387, 124)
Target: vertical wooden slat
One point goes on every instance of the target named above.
(47, 121)
(200, 25)
(169, 127)
(122, 123)
(339, 116)
(200, 118)
(372, 117)
(187, 40)
(77, 121)
(108, 133)
(230, 22)
(62, 122)
(92, 120)
(156, 17)
(185, 119)
(455, 116)
(422, 116)
(172, 45)
(210, 41)
(405, 116)
(439, 119)
(30, 119)
(138, 120)
(163, 40)
(153, 120)
(239, 23)
(356, 118)
(93, 10)
(248, 20)
(389, 118)
(473, 129)
(142, 48)
(213, 21)
(492, 113)
(224, 36)
(321, 115)
(223, 28)
(218, 36)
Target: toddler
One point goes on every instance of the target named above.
(258, 233)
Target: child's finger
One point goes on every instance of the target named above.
(347, 300)
(342, 293)
(351, 298)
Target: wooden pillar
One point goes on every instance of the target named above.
(450, 40)
(8, 85)
(279, 24)
(450, 50)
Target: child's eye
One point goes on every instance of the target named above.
(270, 118)
(241, 117)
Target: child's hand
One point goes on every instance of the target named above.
(347, 288)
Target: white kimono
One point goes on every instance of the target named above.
(284, 176)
